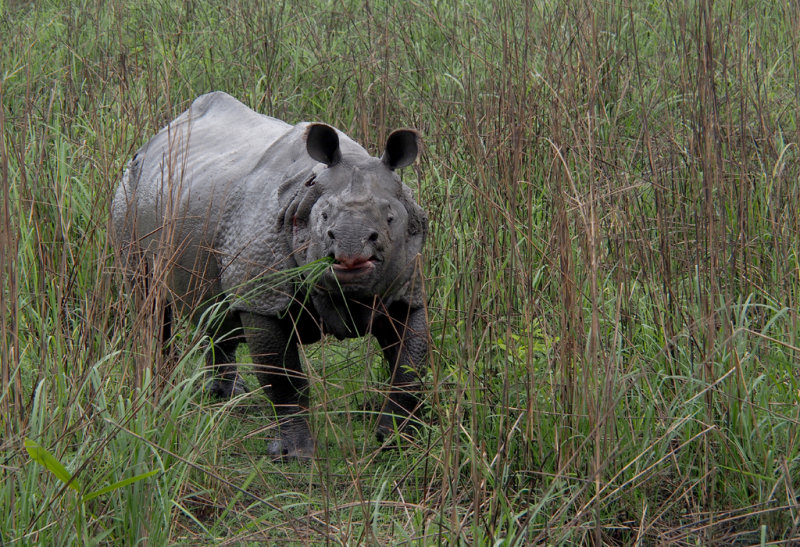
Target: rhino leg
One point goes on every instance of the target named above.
(404, 339)
(167, 320)
(273, 348)
(226, 382)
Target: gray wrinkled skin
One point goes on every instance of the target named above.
(223, 198)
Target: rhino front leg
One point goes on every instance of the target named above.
(277, 364)
(404, 339)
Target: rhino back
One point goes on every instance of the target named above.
(174, 192)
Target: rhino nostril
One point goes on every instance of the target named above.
(373, 237)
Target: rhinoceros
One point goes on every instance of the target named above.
(234, 204)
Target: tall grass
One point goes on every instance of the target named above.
(613, 275)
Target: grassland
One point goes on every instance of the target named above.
(613, 274)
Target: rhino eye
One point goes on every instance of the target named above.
(324, 216)
(310, 182)
(389, 219)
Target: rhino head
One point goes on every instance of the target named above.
(355, 211)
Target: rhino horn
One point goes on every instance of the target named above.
(322, 144)
(402, 149)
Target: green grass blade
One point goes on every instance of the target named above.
(42, 456)
(118, 484)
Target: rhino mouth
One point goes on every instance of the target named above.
(353, 268)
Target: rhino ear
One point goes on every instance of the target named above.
(322, 144)
(402, 149)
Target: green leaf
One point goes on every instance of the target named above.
(118, 484)
(41, 456)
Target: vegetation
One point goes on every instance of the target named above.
(613, 274)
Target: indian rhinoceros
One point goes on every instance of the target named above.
(226, 200)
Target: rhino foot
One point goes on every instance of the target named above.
(226, 387)
(390, 425)
(294, 440)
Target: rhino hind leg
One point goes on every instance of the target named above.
(166, 326)
(226, 381)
